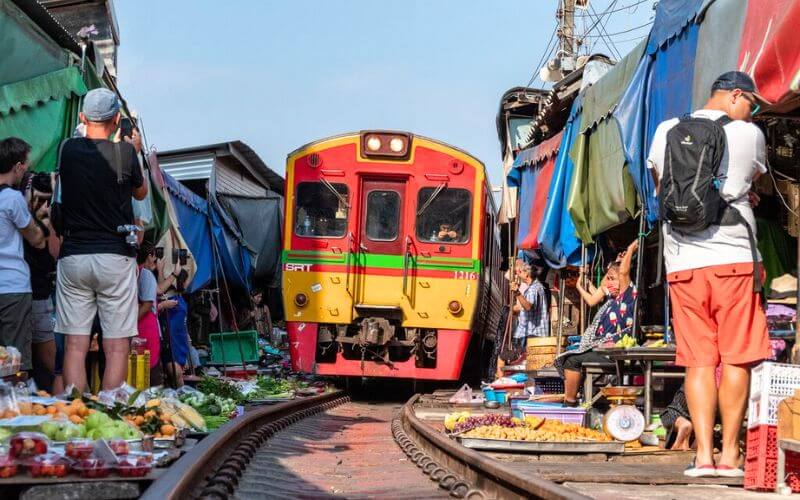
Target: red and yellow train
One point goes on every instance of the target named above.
(391, 258)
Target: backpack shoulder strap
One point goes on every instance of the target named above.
(118, 162)
(723, 120)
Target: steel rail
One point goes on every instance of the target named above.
(488, 476)
(188, 476)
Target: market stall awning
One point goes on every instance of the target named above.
(217, 251)
(41, 111)
(658, 90)
(192, 214)
(770, 47)
(531, 175)
(559, 244)
(26, 51)
(721, 22)
(601, 194)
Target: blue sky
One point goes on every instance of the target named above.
(279, 74)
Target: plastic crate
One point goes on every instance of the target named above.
(563, 414)
(761, 462)
(225, 347)
(548, 385)
(770, 383)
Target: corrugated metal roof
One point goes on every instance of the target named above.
(190, 167)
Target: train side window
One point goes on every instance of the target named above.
(383, 215)
(321, 210)
(443, 215)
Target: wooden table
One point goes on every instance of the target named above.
(646, 356)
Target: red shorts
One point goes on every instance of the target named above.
(717, 316)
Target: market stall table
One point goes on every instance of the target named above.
(646, 356)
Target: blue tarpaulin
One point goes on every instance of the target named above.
(557, 239)
(661, 88)
(198, 221)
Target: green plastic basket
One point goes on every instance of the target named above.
(228, 343)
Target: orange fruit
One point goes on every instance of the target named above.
(76, 401)
(83, 411)
(25, 408)
(39, 410)
(76, 419)
(51, 410)
(167, 430)
(138, 420)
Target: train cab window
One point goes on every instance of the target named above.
(383, 215)
(443, 215)
(321, 210)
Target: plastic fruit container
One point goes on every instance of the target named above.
(79, 448)
(92, 468)
(8, 467)
(134, 464)
(27, 444)
(48, 465)
(118, 446)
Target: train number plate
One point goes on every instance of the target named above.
(465, 275)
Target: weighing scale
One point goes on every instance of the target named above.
(624, 422)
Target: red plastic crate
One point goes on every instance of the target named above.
(761, 461)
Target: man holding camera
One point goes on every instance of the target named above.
(97, 265)
(16, 224)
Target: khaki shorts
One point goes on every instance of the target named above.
(97, 284)
(43, 321)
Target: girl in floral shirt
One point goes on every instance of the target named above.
(613, 320)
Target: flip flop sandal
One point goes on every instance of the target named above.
(728, 471)
(706, 470)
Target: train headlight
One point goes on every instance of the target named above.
(454, 307)
(385, 144)
(397, 144)
(374, 143)
(301, 300)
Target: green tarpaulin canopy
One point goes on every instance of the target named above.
(42, 111)
(602, 194)
(26, 50)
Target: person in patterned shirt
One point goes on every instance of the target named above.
(613, 320)
(530, 301)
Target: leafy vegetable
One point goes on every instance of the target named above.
(223, 388)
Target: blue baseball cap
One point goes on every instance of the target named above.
(738, 80)
(100, 105)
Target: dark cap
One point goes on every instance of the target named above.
(737, 80)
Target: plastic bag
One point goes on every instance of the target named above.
(9, 407)
(10, 360)
(463, 395)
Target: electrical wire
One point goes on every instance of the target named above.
(622, 32)
(607, 39)
(545, 55)
(633, 6)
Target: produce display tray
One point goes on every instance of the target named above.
(541, 446)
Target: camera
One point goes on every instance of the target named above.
(126, 126)
(130, 237)
(160, 252)
(180, 255)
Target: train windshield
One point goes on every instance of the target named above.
(383, 215)
(443, 215)
(321, 210)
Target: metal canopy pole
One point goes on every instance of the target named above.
(639, 265)
(583, 284)
(796, 349)
(561, 295)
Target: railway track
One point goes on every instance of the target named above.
(330, 446)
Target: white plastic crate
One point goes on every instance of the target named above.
(770, 383)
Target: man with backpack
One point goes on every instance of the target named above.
(704, 165)
(97, 264)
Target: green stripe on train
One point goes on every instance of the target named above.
(380, 261)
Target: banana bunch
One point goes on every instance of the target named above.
(182, 415)
(626, 341)
(453, 419)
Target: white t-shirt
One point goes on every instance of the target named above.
(744, 156)
(15, 276)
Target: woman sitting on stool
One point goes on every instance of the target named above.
(613, 320)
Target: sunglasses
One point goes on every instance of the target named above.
(754, 106)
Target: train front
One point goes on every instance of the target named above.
(381, 261)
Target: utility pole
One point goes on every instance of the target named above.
(566, 35)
